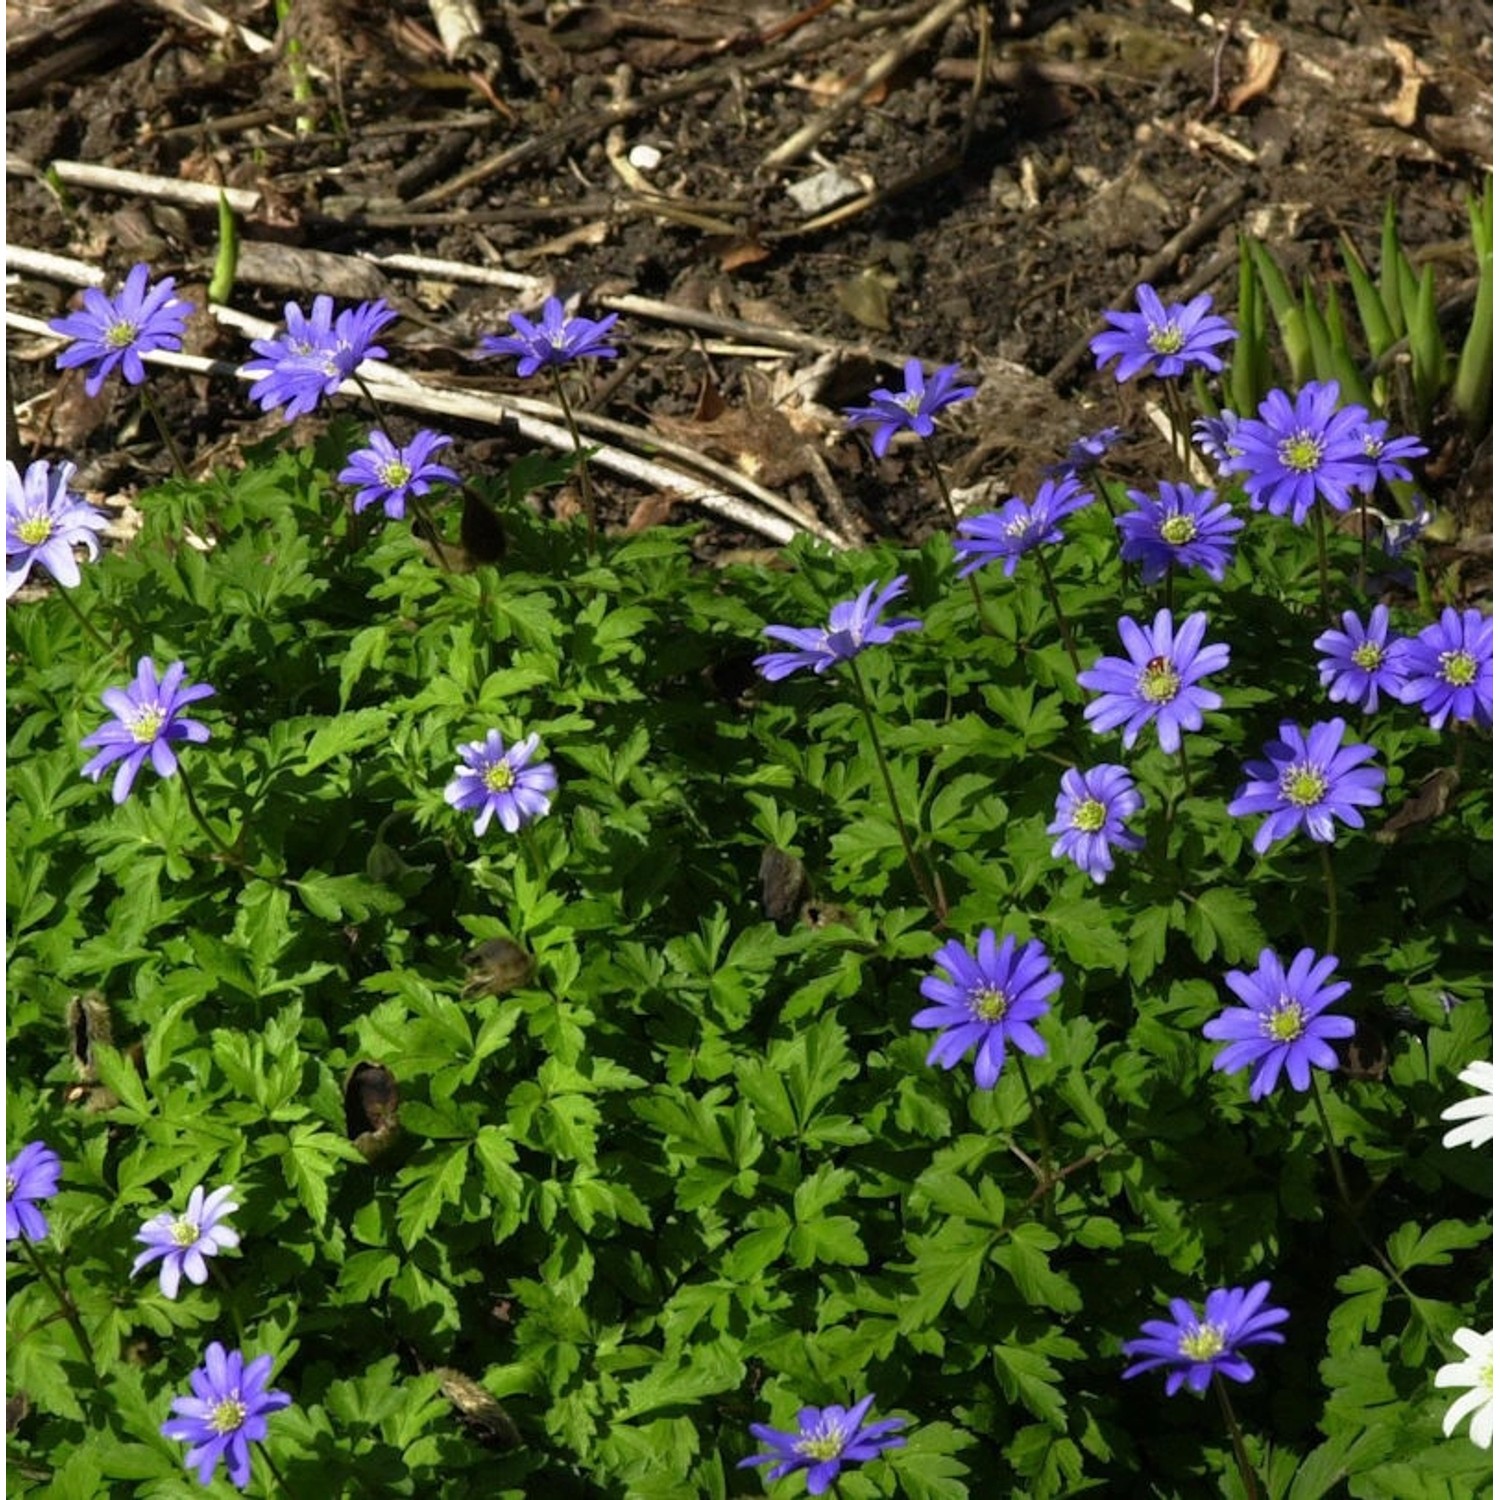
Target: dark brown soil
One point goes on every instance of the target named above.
(989, 223)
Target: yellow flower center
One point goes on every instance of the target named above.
(184, 1232)
(822, 1445)
(1367, 655)
(10, 1187)
(147, 724)
(1302, 451)
(1179, 529)
(228, 1416)
(394, 474)
(1201, 1343)
(1159, 682)
(1458, 668)
(988, 1003)
(121, 335)
(35, 530)
(499, 777)
(1303, 786)
(1089, 815)
(910, 401)
(1285, 1021)
(1166, 338)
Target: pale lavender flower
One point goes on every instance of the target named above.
(1158, 683)
(1307, 780)
(501, 783)
(1358, 662)
(316, 354)
(556, 340)
(1194, 1349)
(1180, 526)
(146, 723)
(44, 521)
(1018, 526)
(1091, 811)
(1296, 451)
(1387, 456)
(225, 1414)
(1214, 437)
(852, 625)
(912, 409)
(391, 475)
(987, 999)
(827, 1438)
(1161, 340)
(1281, 1024)
(31, 1177)
(182, 1241)
(1085, 453)
(110, 333)
(1450, 669)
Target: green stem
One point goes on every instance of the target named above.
(276, 1473)
(1341, 1183)
(1236, 1438)
(178, 462)
(930, 887)
(1364, 544)
(1182, 427)
(192, 801)
(222, 1282)
(64, 1299)
(1321, 531)
(1330, 886)
(1057, 609)
(88, 625)
(1187, 775)
(585, 484)
(943, 490)
(1044, 1136)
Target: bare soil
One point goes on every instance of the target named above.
(959, 214)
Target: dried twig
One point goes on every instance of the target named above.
(141, 184)
(594, 122)
(197, 13)
(803, 140)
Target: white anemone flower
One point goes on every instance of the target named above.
(1478, 1112)
(1477, 1375)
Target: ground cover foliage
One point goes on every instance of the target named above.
(562, 1157)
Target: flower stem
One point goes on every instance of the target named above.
(585, 484)
(1044, 1136)
(280, 1478)
(1341, 1183)
(1057, 609)
(1182, 429)
(1236, 1438)
(930, 887)
(1330, 886)
(1187, 775)
(1321, 531)
(952, 509)
(64, 1299)
(1364, 543)
(178, 462)
(87, 624)
(197, 812)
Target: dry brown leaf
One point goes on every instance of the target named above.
(733, 254)
(654, 510)
(1406, 107)
(1263, 60)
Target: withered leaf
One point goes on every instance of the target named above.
(783, 882)
(372, 1103)
(496, 967)
(1429, 801)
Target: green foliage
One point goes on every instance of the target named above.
(687, 1168)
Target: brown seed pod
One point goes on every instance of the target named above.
(496, 967)
(372, 1106)
(478, 1408)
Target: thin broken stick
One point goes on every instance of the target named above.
(804, 140)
